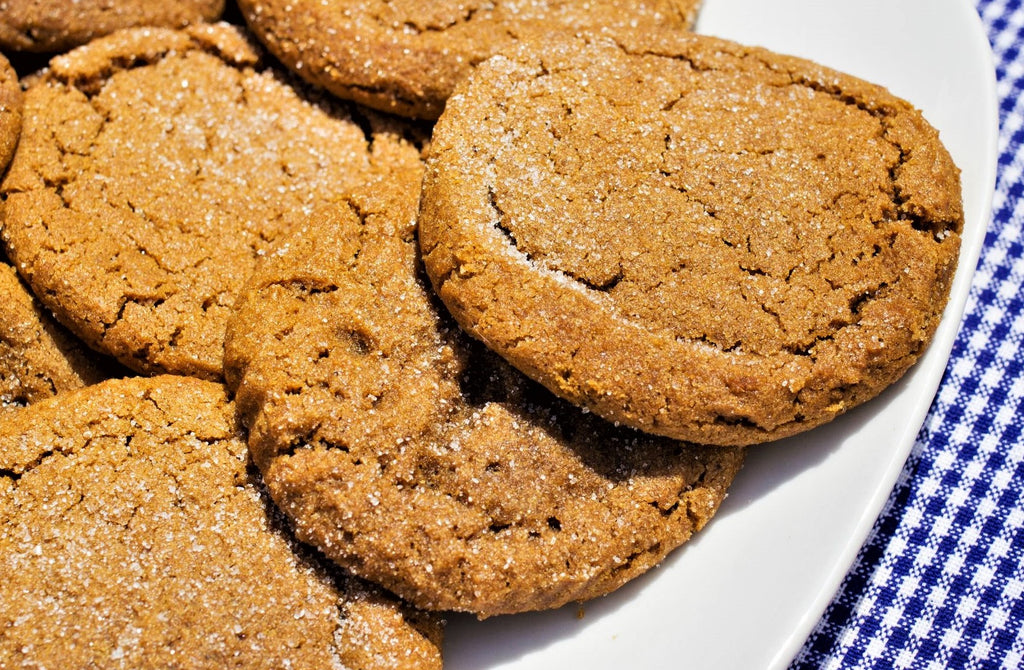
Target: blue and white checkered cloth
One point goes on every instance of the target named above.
(940, 581)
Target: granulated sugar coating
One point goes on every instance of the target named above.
(49, 26)
(133, 535)
(155, 169)
(38, 358)
(699, 239)
(412, 455)
(405, 56)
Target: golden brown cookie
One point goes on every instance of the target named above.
(38, 358)
(133, 535)
(406, 56)
(689, 236)
(11, 107)
(418, 459)
(155, 169)
(49, 26)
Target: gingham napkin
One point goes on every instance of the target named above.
(940, 581)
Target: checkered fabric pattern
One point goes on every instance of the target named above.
(940, 582)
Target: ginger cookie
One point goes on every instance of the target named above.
(420, 460)
(38, 358)
(133, 534)
(692, 237)
(49, 26)
(11, 107)
(406, 56)
(155, 169)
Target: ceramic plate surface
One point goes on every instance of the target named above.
(747, 591)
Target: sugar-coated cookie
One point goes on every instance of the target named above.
(49, 26)
(689, 236)
(410, 454)
(155, 169)
(405, 56)
(133, 534)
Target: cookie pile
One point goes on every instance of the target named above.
(476, 304)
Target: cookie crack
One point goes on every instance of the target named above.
(17, 471)
(735, 420)
(91, 82)
(806, 349)
(885, 115)
(308, 287)
(411, 26)
(666, 512)
(858, 301)
(501, 226)
(602, 287)
(626, 564)
(696, 519)
(694, 63)
(11, 475)
(131, 300)
(14, 399)
(856, 305)
(939, 229)
(881, 112)
(735, 347)
(309, 442)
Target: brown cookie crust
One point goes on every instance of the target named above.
(405, 56)
(133, 534)
(689, 236)
(49, 26)
(412, 455)
(155, 169)
(11, 108)
(38, 358)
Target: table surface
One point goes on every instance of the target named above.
(940, 581)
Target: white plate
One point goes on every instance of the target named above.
(748, 590)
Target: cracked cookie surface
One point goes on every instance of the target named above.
(411, 454)
(689, 236)
(405, 56)
(38, 358)
(49, 26)
(133, 534)
(154, 170)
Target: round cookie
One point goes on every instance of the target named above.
(692, 237)
(155, 169)
(11, 107)
(38, 358)
(49, 26)
(418, 459)
(406, 56)
(133, 534)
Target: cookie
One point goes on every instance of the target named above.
(689, 236)
(38, 358)
(155, 169)
(133, 534)
(49, 26)
(11, 107)
(406, 57)
(420, 460)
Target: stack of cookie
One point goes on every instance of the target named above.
(480, 303)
